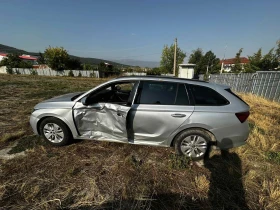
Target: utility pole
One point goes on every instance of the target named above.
(208, 66)
(175, 52)
(222, 66)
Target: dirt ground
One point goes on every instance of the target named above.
(99, 175)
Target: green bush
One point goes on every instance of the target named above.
(79, 75)
(33, 72)
(92, 75)
(9, 70)
(70, 73)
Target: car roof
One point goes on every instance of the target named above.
(159, 78)
(172, 79)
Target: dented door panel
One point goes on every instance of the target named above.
(101, 121)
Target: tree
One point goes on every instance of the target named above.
(277, 53)
(209, 63)
(154, 71)
(14, 61)
(74, 64)
(255, 62)
(101, 66)
(87, 66)
(56, 57)
(237, 62)
(196, 56)
(259, 62)
(203, 62)
(269, 61)
(167, 59)
(41, 58)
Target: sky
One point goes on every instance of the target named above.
(138, 29)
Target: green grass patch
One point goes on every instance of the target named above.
(253, 126)
(12, 136)
(273, 157)
(28, 142)
(178, 161)
(46, 94)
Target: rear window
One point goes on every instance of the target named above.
(229, 90)
(205, 96)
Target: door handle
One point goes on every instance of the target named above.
(178, 115)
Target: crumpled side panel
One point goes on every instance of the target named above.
(105, 121)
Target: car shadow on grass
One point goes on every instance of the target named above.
(226, 190)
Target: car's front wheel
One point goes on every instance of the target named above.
(192, 143)
(55, 131)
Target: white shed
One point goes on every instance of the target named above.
(186, 70)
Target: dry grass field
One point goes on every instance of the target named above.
(100, 175)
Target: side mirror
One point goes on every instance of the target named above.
(83, 101)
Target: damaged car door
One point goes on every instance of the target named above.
(102, 114)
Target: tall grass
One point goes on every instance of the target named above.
(100, 175)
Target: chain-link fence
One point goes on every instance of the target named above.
(262, 83)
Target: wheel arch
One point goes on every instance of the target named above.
(212, 136)
(59, 118)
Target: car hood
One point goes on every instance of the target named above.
(62, 101)
(65, 97)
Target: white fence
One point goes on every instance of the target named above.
(50, 72)
(143, 74)
(135, 73)
(261, 83)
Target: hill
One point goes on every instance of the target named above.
(132, 62)
(8, 49)
(93, 61)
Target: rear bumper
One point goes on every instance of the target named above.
(33, 122)
(233, 136)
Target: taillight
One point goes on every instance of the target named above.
(242, 116)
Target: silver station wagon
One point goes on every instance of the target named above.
(189, 115)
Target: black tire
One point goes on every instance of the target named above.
(57, 140)
(190, 135)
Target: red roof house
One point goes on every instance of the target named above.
(228, 63)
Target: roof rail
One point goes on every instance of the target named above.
(163, 77)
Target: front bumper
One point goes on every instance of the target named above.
(33, 122)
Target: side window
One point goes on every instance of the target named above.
(204, 96)
(113, 93)
(152, 92)
(162, 93)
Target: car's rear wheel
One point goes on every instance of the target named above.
(193, 143)
(55, 131)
